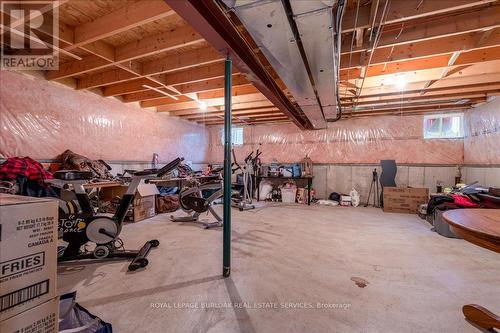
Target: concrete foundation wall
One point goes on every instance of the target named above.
(342, 178)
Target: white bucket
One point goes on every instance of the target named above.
(288, 195)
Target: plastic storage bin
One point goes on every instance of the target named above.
(288, 195)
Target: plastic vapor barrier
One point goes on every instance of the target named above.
(359, 140)
(482, 137)
(41, 120)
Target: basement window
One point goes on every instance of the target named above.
(236, 136)
(444, 126)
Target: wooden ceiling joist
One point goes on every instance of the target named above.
(423, 49)
(169, 63)
(407, 10)
(236, 100)
(444, 84)
(148, 95)
(249, 113)
(176, 108)
(173, 39)
(215, 116)
(439, 92)
(201, 73)
(450, 25)
(198, 111)
(128, 17)
(247, 121)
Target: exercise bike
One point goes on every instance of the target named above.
(244, 200)
(79, 224)
(194, 200)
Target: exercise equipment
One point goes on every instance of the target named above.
(79, 224)
(250, 168)
(197, 198)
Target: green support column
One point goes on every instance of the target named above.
(226, 260)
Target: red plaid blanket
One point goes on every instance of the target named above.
(24, 166)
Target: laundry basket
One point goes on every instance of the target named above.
(288, 195)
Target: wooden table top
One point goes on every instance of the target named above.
(102, 184)
(478, 226)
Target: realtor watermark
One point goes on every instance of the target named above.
(251, 305)
(30, 35)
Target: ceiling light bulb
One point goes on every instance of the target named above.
(400, 82)
(203, 106)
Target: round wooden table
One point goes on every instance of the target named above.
(480, 227)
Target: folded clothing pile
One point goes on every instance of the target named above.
(25, 176)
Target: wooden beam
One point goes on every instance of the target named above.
(433, 74)
(415, 110)
(446, 84)
(206, 115)
(148, 95)
(197, 87)
(215, 116)
(421, 99)
(450, 25)
(242, 99)
(172, 39)
(432, 106)
(167, 64)
(125, 18)
(209, 85)
(249, 121)
(187, 59)
(128, 87)
(236, 91)
(424, 49)
(407, 10)
(201, 73)
(409, 65)
(462, 90)
(34, 14)
(176, 108)
(198, 111)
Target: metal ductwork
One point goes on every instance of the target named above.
(297, 38)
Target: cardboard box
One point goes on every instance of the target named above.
(39, 319)
(109, 193)
(404, 199)
(28, 252)
(145, 202)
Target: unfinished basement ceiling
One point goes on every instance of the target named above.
(446, 54)
(271, 29)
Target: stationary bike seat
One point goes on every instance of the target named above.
(72, 175)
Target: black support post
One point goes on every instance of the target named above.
(226, 259)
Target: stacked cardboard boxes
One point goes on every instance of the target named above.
(404, 199)
(28, 264)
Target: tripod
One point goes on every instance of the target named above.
(376, 199)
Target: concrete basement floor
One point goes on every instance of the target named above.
(416, 280)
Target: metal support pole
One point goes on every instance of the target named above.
(226, 259)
